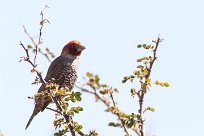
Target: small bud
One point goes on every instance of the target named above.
(157, 82)
(144, 46)
(30, 46)
(42, 22)
(133, 92)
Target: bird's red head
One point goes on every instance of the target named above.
(72, 49)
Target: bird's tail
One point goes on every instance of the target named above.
(38, 106)
(30, 120)
(37, 109)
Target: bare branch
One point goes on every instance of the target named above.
(30, 37)
(45, 54)
(32, 64)
(42, 22)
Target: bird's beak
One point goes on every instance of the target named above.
(81, 48)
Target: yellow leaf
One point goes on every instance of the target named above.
(148, 80)
(166, 84)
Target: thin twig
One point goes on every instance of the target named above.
(53, 110)
(41, 27)
(31, 97)
(45, 54)
(33, 41)
(32, 64)
(40, 35)
(94, 93)
(107, 104)
(119, 117)
(31, 38)
(154, 55)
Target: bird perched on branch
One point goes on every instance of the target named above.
(62, 71)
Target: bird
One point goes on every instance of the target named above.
(62, 71)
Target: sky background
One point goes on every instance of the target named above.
(111, 31)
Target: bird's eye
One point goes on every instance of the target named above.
(73, 47)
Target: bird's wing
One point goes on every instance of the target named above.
(55, 67)
(42, 102)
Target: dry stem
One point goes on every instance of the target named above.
(143, 89)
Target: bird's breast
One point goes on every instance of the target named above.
(69, 76)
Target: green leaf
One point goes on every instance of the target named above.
(144, 46)
(103, 92)
(124, 79)
(89, 75)
(163, 84)
(78, 128)
(78, 96)
(97, 79)
(139, 46)
(92, 133)
(149, 109)
(72, 97)
(61, 132)
(112, 124)
(65, 105)
(80, 108)
(76, 109)
(148, 47)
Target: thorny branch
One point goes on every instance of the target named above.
(27, 58)
(42, 22)
(37, 49)
(143, 88)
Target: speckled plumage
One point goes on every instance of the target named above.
(62, 71)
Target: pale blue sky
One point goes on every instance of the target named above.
(110, 30)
